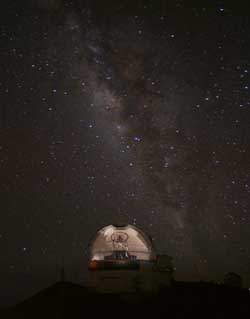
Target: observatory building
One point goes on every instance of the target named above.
(123, 260)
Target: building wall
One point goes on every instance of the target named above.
(145, 280)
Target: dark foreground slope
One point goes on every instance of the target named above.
(66, 300)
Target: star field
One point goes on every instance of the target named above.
(124, 113)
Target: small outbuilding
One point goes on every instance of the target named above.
(233, 280)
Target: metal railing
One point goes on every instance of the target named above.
(120, 255)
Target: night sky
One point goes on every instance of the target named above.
(123, 113)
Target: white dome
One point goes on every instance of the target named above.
(121, 242)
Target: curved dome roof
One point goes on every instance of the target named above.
(121, 242)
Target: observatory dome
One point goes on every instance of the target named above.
(121, 243)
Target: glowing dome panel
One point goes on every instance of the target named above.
(121, 243)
